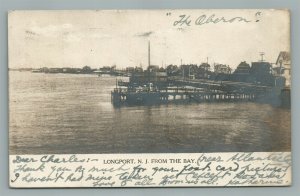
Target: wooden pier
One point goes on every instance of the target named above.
(122, 96)
(178, 90)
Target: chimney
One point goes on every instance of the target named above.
(148, 53)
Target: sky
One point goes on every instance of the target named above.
(120, 37)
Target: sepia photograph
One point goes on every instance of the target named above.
(149, 81)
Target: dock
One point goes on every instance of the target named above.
(186, 91)
(155, 86)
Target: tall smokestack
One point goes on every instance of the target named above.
(148, 53)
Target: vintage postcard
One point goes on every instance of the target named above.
(149, 98)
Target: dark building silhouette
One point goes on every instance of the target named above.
(243, 68)
(261, 73)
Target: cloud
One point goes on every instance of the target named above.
(50, 30)
(145, 34)
(30, 32)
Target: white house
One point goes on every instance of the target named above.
(283, 67)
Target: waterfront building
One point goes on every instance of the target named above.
(242, 69)
(283, 67)
(222, 69)
(138, 69)
(261, 72)
(153, 68)
(204, 71)
(130, 69)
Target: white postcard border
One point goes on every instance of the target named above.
(151, 170)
